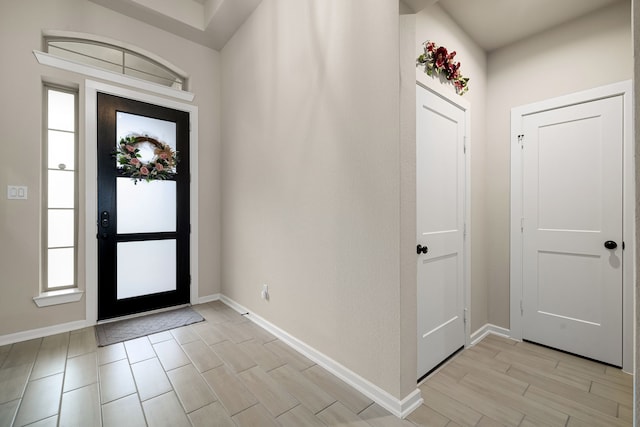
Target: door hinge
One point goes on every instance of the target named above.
(521, 308)
(521, 140)
(189, 280)
(464, 145)
(522, 225)
(464, 316)
(464, 231)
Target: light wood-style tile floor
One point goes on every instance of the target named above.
(229, 372)
(503, 382)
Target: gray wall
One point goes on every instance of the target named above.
(563, 60)
(311, 173)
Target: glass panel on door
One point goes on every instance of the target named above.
(147, 267)
(148, 207)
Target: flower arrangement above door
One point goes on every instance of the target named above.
(437, 60)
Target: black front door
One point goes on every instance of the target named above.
(143, 207)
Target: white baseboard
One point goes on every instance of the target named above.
(487, 329)
(399, 408)
(42, 332)
(208, 298)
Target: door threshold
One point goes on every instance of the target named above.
(439, 366)
(144, 313)
(573, 354)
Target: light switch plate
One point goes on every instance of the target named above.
(17, 192)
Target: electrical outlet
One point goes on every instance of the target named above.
(265, 292)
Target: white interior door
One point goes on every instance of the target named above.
(572, 206)
(440, 175)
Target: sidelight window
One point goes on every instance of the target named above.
(60, 188)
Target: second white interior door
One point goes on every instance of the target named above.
(572, 228)
(440, 175)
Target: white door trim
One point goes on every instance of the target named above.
(625, 90)
(465, 106)
(89, 145)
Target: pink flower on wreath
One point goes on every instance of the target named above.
(130, 148)
(144, 170)
(159, 167)
(164, 155)
(430, 46)
(135, 162)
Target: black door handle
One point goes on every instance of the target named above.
(422, 249)
(610, 244)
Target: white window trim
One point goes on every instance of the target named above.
(61, 34)
(76, 67)
(62, 296)
(65, 295)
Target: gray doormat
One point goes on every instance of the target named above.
(123, 330)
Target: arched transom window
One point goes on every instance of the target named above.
(117, 59)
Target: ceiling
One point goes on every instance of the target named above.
(496, 23)
(491, 23)
(207, 22)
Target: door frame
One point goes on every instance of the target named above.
(623, 89)
(455, 99)
(91, 188)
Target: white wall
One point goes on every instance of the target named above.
(434, 24)
(588, 52)
(311, 178)
(21, 25)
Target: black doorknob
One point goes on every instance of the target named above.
(610, 244)
(422, 249)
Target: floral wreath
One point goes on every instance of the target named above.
(162, 166)
(437, 60)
